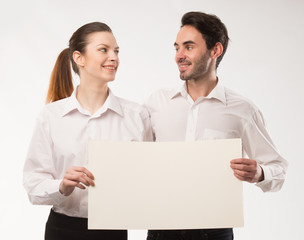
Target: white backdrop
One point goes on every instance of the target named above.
(263, 62)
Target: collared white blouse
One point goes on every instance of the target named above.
(60, 141)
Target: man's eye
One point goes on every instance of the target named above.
(189, 48)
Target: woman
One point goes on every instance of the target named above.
(55, 170)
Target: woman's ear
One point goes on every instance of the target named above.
(78, 58)
(217, 50)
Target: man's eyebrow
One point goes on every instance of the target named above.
(188, 42)
(185, 43)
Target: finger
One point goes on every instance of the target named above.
(84, 170)
(244, 161)
(80, 186)
(244, 175)
(83, 178)
(80, 174)
(67, 187)
(77, 172)
(69, 184)
(244, 167)
(88, 176)
(88, 173)
(77, 177)
(243, 178)
(88, 180)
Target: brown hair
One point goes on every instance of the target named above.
(61, 82)
(211, 27)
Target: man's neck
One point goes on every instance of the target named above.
(201, 88)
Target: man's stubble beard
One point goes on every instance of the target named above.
(200, 68)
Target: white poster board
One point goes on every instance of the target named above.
(164, 185)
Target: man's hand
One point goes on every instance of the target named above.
(247, 170)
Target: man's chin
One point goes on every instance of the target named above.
(183, 77)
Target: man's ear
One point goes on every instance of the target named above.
(217, 50)
(78, 58)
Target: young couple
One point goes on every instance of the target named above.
(55, 171)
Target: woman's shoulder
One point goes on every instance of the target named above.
(53, 108)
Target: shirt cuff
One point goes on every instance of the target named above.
(267, 179)
(54, 194)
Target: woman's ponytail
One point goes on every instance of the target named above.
(61, 82)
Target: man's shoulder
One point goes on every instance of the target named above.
(166, 93)
(160, 97)
(238, 100)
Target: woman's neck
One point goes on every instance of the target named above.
(92, 97)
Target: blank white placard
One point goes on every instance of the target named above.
(164, 185)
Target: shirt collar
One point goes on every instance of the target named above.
(111, 103)
(218, 93)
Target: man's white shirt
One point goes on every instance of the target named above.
(222, 114)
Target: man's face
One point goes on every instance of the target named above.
(192, 56)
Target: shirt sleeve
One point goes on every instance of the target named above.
(258, 145)
(39, 171)
(147, 135)
(147, 106)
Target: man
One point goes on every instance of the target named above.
(204, 109)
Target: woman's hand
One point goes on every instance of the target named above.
(76, 177)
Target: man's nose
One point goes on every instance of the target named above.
(180, 54)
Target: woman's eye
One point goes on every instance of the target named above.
(116, 51)
(103, 50)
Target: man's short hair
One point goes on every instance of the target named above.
(211, 28)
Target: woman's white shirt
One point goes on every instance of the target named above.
(60, 139)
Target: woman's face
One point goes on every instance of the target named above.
(100, 60)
